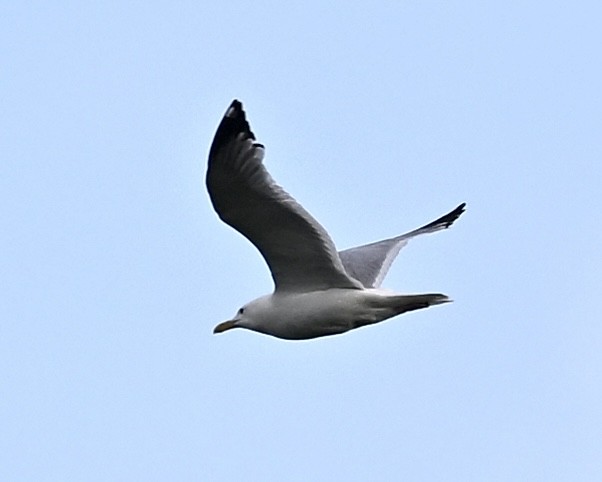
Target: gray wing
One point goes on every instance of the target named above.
(370, 263)
(297, 249)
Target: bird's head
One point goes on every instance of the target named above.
(251, 316)
(257, 315)
(239, 321)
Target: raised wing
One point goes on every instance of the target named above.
(297, 249)
(370, 263)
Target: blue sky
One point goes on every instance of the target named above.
(378, 118)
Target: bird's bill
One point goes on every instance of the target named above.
(226, 325)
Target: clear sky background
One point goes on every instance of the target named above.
(378, 117)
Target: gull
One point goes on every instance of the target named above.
(318, 291)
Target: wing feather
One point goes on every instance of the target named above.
(370, 263)
(297, 249)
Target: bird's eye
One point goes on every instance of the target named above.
(241, 311)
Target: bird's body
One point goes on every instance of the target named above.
(298, 316)
(318, 291)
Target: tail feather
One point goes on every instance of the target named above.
(417, 302)
(382, 308)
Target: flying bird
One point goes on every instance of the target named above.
(318, 291)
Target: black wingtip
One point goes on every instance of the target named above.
(233, 123)
(235, 110)
(444, 221)
(450, 217)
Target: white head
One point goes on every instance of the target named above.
(249, 316)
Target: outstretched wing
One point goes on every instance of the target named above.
(370, 263)
(297, 249)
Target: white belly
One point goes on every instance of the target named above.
(320, 313)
